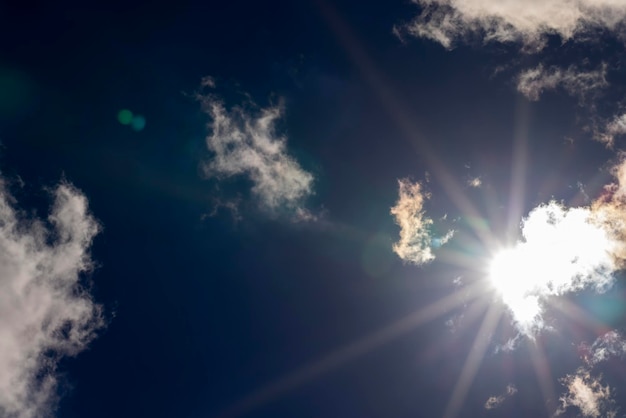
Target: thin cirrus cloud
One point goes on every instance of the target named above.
(45, 313)
(244, 142)
(563, 250)
(416, 239)
(527, 22)
(533, 82)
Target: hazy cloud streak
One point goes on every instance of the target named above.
(533, 82)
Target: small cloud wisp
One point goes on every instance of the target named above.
(495, 401)
(576, 82)
(416, 241)
(245, 143)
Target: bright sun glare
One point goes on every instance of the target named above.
(562, 251)
(510, 275)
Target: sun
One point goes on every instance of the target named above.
(511, 275)
(561, 250)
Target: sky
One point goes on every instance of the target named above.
(313, 209)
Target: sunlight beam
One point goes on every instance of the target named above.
(473, 361)
(351, 351)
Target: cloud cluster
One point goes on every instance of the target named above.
(245, 143)
(416, 241)
(533, 82)
(562, 250)
(495, 401)
(45, 313)
(528, 22)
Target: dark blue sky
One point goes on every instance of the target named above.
(211, 315)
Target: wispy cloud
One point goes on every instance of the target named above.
(613, 128)
(475, 182)
(611, 344)
(527, 22)
(495, 401)
(416, 241)
(563, 250)
(45, 313)
(576, 82)
(585, 391)
(588, 394)
(244, 142)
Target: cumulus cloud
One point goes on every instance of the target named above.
(528, 22)
(416, 240)
(588, 394)
(244, 142)
(45, 313)
(533, 82)
(495, 401)
(562, 250)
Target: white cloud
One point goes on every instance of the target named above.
(562, 250)
(475, 182)
(587, 393)
(614, 128)
(45, 314)
(416, 241)
(244, 142)
(495, 401)
(533, 82)
(527, 22)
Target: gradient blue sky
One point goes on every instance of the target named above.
(239, 255)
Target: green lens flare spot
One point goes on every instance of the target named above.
(125, 117)
(138, 123)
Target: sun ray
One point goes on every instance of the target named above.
(580, 316)
(404, 121)
(473, 361)
(544, 377)
(518, 170)
(351, 351)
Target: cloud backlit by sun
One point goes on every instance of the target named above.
(416, 240)
(561, 250)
